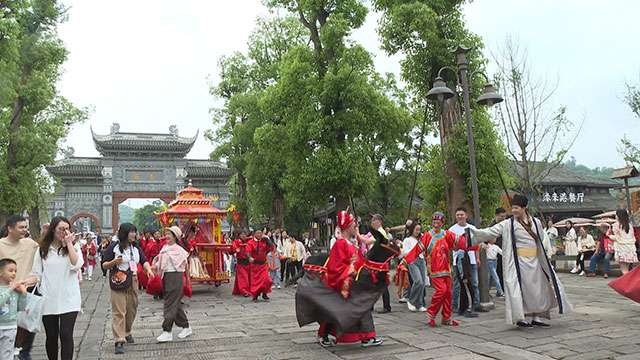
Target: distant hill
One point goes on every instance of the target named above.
(125, 214)
(598, 172)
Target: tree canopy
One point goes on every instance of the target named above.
(34, 118)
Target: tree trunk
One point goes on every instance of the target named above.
(14, 144)
(342, 203)
(451, 115)
(34, 222)
(277, 207)
(241, 185)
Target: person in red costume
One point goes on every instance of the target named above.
(89, 251)
(258, 247)
(437, 244)
(242, 285)
(344, 262)
(154, 244)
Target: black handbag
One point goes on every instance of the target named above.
(120, 279)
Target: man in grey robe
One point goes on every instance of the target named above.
(530, 283)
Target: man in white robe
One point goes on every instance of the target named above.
(530, 283)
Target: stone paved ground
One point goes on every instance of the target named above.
(603, 325)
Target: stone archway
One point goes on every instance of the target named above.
(120, 196)
(86, 215)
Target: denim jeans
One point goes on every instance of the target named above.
(474, 282)
(417, 270)
(493, 275)
(601, 254)
(455, 289)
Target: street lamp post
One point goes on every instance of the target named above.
(440, 92)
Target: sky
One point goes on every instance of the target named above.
(149, 64)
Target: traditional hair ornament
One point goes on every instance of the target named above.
(437, 216)
(345, 219)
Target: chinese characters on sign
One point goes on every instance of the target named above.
(563, 197)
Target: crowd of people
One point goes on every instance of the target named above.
(263, 260)
(519, 250)
(614, 242)
(55, 265)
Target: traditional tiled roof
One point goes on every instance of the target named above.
(123, 143)
(207, 168)
(561, 175)
(76, 166)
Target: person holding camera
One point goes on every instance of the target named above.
(122, 258)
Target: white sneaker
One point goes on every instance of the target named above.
(574, 270)
(411, 307)
(581, 273)
(165, 337)
(279, 287)
(422, 309)
(273, 287)
(185, 332)
(403, 300)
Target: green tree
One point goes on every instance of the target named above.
(145, 219)
(247, 149)
(331, 108)
(34, 118)
(425, 32)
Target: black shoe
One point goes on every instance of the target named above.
(540, 324)
(371, 342)
(129, 339)
(255, 299)
(325, 342)
(480, 309)
(24, 356)
(524, 325)
(384, 311)
(265, 297)
(246, 295)
(155, 297)
(119, 348)
(460, 313)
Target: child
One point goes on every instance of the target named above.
(492, 263)
(13, 298)
(172, 264)
(274, 268)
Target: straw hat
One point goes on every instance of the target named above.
(176, 232)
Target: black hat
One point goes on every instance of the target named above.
(377, 216)
(519, 200)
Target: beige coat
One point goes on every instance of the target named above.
(514, 308)
(288, 247)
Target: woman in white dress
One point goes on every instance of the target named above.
(571, 243)
(624, 241)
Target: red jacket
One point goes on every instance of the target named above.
(258, 249)
(437, 249)
(89, 249)
(343, 255)
(153, 248)
(237, 244)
